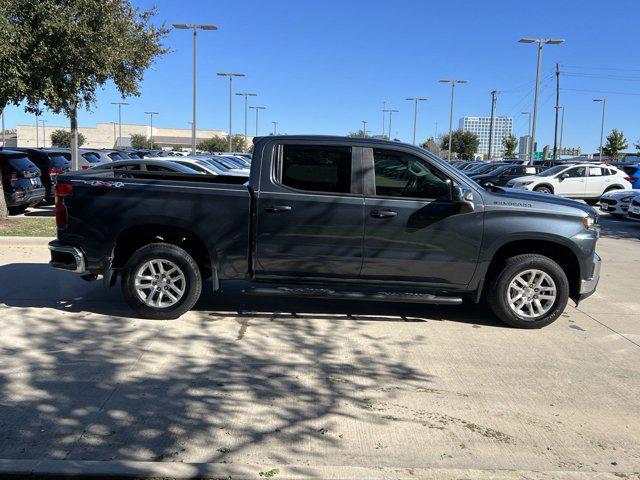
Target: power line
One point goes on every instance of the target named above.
(600, 91)
(601, 68)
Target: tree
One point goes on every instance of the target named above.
(510, 142)
(430, 145)
(360, 133)
(637, 145)
(62, 139)
(142, 142)
(464, 143)
(221, 144)
(55, 54)
(616, 143)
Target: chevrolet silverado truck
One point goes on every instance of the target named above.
(328, 217)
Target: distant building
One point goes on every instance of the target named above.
(105, 135)
(502, 127)
(523, 146)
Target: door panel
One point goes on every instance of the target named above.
(434, 241)
(596, 181)
(575, 185)
(315, 233)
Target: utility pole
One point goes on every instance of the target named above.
(493, 114)
(37, 131)
(195, 28)
(114, 133)
(257, 108)
(604, 106)
(384, 110)
(275, 128)
(391, 112)
(230, 75)
(364, 128)
(120, 104)
(151, 114)
(415, 113)
(453, 85)
(540, 42)
(561, 129)
(245, 95)
(555, 129)
(44, 133)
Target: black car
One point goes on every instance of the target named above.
(51, 162)
(501, 175)
(20, 181)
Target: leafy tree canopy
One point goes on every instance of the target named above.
(360, 133)
(62, 139)
(431, 145)
(510, 142)
(464, 143)
(142, 142)
(616, 143)
(221, 144)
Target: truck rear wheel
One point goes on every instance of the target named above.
(161, 281)
(529, 291)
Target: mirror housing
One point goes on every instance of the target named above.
(460, 193)
(563, 176)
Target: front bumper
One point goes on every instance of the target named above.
(588, 286)
(66, 257)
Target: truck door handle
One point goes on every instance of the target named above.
(277, 208)
(383, 213)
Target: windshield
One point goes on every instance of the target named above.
(552, 171)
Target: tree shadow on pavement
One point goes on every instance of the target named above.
(619, 228)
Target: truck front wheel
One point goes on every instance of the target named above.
(161, 281)
(529, 291)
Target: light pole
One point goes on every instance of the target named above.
(604, 106)
(364, 128)
(257, 108)
(275, 128)
(415, 113)
(391, 112)
(528, 132)
(230, 75)
(540, 42)
(151, 114)
(120, 104)
(453, 82)
(37, 131)
(561, 127)
(245, 95)
(384, 110)
(195, 28)
(114, 133)
(44, 133)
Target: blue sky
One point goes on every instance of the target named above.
(323, 66)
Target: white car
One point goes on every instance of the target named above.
(617, 202)
(587, 181)
(634, 209)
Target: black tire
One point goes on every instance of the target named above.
(16, 210)
(497, 296)
(592, 201)
(543, 189)
(176, 255)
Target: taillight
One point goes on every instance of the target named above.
(85, 167)
(634, 179)
(628, 179)
(14, 176)
(62, 190)
(55, 171)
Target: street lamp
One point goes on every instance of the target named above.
(604, 106)
(391, 112)
(384, 110)
(558, 107)
(528, 132)
(120, 104)
(114, 133)
(151, 114)
(245, 95)
(230, 75)
(364, 128)
(195, 28)
(453, 82)
(275, 128)
(257, 108)
(415, 113)
(540, 42)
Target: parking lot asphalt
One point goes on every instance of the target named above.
(330, 389)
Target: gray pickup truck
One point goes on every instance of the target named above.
(328, 217)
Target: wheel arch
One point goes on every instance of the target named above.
(545, 184)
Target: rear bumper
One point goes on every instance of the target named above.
(66, 257)
(25, 198)
(588, 286)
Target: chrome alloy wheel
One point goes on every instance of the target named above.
(160, 283)
(531, 294)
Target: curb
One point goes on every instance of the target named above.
(9, 241)
(179, 470)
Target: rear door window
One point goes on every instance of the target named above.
(21, 164)
(316, 168)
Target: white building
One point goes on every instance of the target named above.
(502, 127)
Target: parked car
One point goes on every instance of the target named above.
(330, 218)
(617, 202)
(502, 174)
(633, 170)
(91, 158)
(51, 162)
(634, 209)
(20, 181)
(581, 181)
(224, 167)
(198, 165)
(147, 165)
(485, 169)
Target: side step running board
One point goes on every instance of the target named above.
(345, 295)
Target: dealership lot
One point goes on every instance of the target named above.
(349, 388)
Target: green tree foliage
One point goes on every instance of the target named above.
(510, 142)
(359, 134)
(431, 145)
(637, 145)
(616, 143)
(142, 142)
(221, 144)
(56, 53)
(465, 144)
(62, 139)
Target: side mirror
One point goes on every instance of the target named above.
(564, 176)
(460, 193)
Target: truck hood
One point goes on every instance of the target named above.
(538, 200)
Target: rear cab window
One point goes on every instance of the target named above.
(318, 168)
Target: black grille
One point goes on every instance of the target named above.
(608, 201)
(635, 203)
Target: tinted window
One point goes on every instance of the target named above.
(158, 168)
(402, 175)
(91, 157)
(576, 172)
(58, 161)
(630, 170)
(21, 164)
(317, 168)
(116, 156)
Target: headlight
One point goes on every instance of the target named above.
(588, 222)
(524, 184)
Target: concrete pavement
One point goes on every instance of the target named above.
(336, 390)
